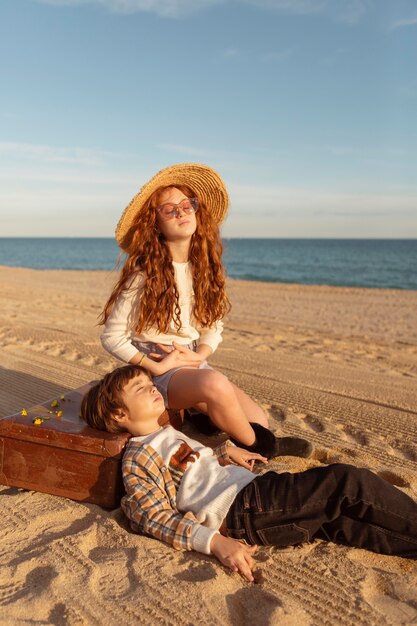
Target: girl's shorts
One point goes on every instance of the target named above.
(162, 382)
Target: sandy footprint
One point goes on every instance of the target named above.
(57, 351)
(29, 586)
(313, 422)
(264, 347)
(255, 605)
(8, 340)
(106, 578)
(355, 434)
(88, 360)
(394, 478)
(42, 346)
(404, 448)
(60, 613)
(277, 414)
(73, 356)
(92, 361)
(326, 456)
(197, 572)
(384, 594)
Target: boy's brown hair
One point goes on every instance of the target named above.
(101, 403)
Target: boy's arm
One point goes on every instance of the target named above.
(228, 453)
(221, 452)
(235, 555)
(149, 508)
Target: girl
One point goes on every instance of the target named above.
(165, 312)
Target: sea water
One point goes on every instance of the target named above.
(344, 262)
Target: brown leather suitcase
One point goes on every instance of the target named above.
(49, 448)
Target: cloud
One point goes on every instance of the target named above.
(45, 190)
(349, 11)
(52, 201)
(180, 149)
(335, 58)
(299, 7)
(273, 211)
(164, 8)
(47, 200)
(278, 56)
(231, 52)
(410, 21)
(57, 174)
(408, 90)
(279, 201)
(51, 154)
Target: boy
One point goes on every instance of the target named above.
(192, 497)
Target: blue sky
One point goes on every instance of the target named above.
(305, 107)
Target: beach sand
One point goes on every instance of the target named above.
(335, 365)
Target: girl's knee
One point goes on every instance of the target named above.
(216, 386)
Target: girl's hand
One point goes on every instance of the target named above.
(234, 554)
(244, 457)
(175, 358)
(189, 355)
(158, 357)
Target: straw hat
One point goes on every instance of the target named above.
(204, 182)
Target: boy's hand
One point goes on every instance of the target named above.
(234, 554)
(244, 457)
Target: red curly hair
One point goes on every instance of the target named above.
(150, 256)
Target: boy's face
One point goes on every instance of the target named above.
(144, 406)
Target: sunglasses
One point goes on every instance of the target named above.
(169, 211)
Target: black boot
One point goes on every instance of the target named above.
(270, 446)
(201, 422)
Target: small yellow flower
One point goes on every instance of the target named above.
(54, 404)
(24, 412)
(59, 414)
(62, 397)
(38, 421)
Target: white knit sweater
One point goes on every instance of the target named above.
(204, 487)
(119, 332)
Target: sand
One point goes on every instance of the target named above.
(336, 365)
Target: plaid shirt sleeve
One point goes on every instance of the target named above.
(221, 452)
(150, 497)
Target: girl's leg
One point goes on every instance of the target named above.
(253, 412)
(190, 387)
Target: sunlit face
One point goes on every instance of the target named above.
(180, 227)
(144, 406)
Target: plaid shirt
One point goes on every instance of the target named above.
(150, 500)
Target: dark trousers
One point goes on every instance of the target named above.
(339, 503)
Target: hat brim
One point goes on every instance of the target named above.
(202, 179)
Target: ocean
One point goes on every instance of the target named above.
(343, 262)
